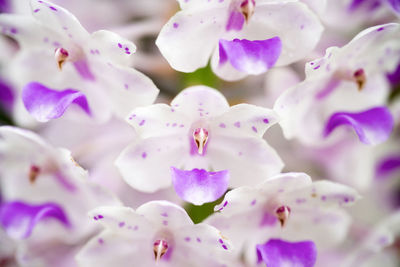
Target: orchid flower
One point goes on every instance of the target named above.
(198, 133)
(242, 36)
(60, 64)
(45, 195)
(347, 87)
(158, 233)
(288, 206)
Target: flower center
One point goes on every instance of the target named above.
(61, 55)
(247, 8)
(33, 173)
(200, 137)
(160, 247)
(360, 78)
(282, 213)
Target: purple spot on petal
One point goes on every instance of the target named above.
(53, 8)
(265, 120)
(176, 25)
(380, 29)
(187, 239)
(142, 122)
(101, 241)
(165, 223)
(253, 202)
(121, 224)
(222, 125)
(119, 45)
(254, 129)
(198, 240)
(237, 124)
(144, 155)
(224, 246)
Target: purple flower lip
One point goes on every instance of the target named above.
(199, 186)
(45, 104)
(19, 218)
(373, 126)
(252, 57)
(277, 253)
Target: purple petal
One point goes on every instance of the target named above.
(252, 57)
(45, 104)
(371, 5)
(5, 6)
(394, 77)
(395, 4)
(19, 218)
(372, 126)
(387, 165)
(278, 253)
(6, 96)
(199, 186)
(235, 21)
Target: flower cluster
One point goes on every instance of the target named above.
(234, 133)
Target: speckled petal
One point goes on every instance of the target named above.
(189, 38)
(244, 120)
(200, 102)
(137, 162)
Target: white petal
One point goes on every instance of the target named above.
(202, 242)
(257, 159)
(158, 120)
(58, 20)
(200, 102)
(112, 46)
(189, 37)
(299, 36)
(116, 248)
(121, 219)
(137, 162)
(193, 4)
(244, 120)
(159, 212)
